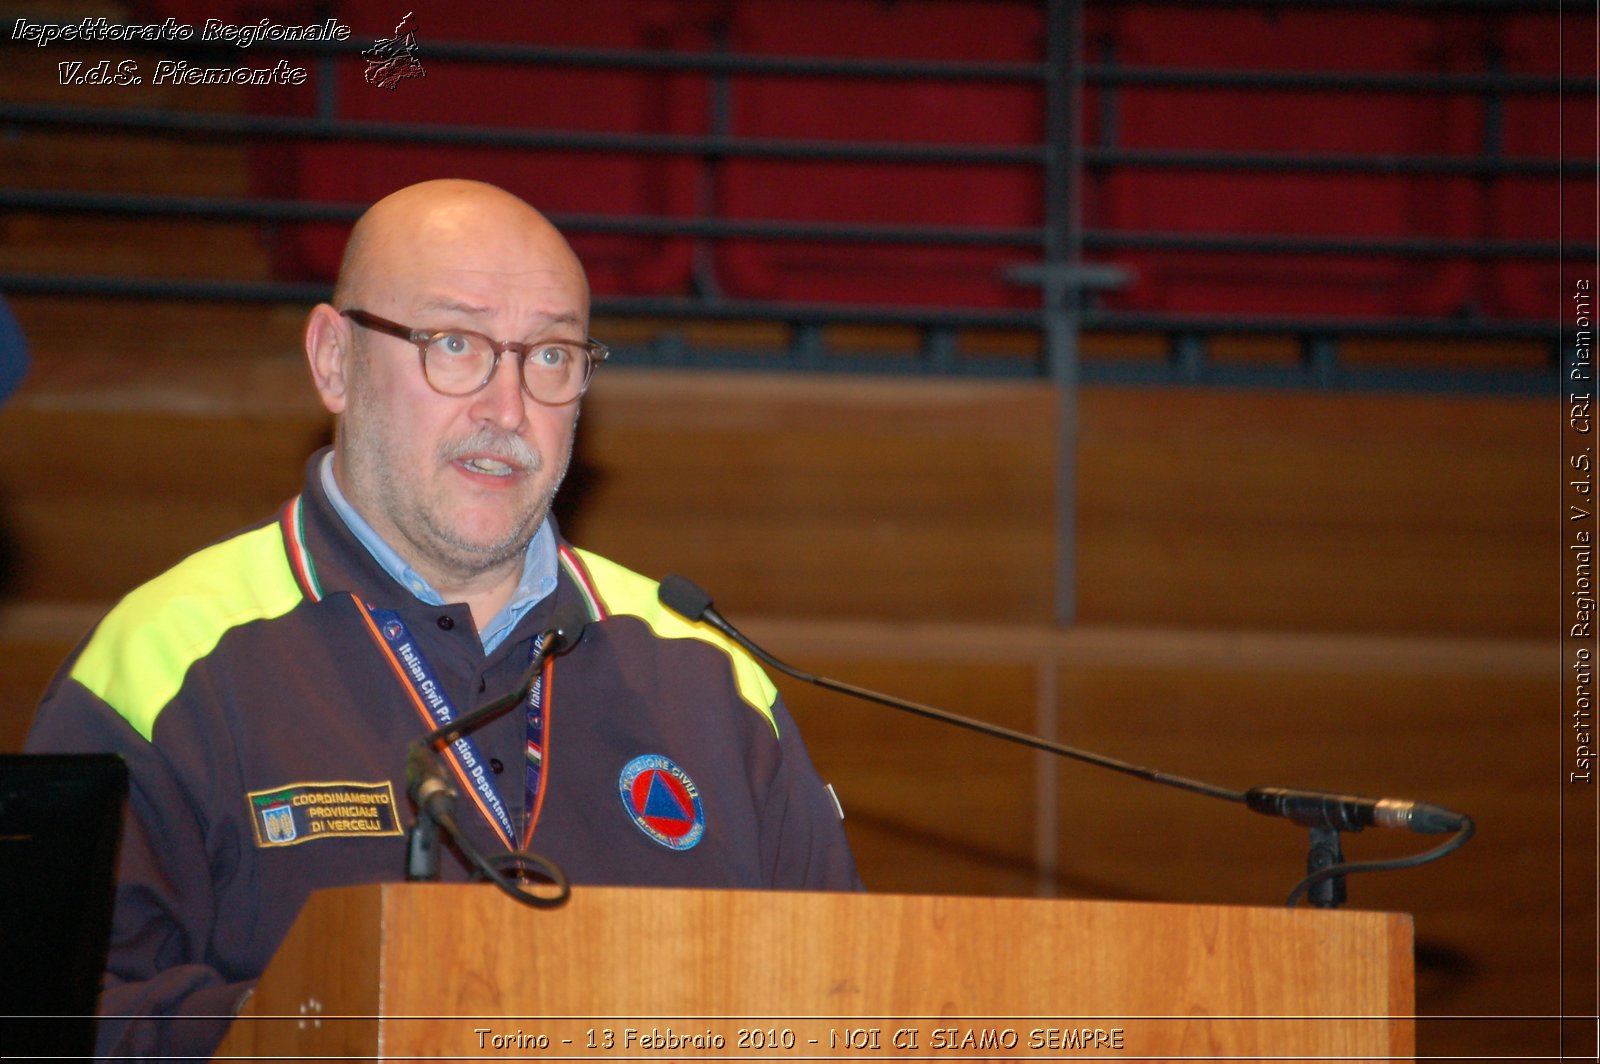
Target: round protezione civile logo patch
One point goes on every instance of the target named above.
(663, 801)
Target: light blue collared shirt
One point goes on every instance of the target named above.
(539, 565)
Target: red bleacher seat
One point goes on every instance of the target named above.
(1008, 114)
(1352, 206)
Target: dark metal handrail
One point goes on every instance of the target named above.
(292, 211)
(814, 313)
(284, 211)
(1336, 163)
(188, 123)
(1121, 76)
(1054, 249)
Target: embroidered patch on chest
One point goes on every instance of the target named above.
(663, 801)
(305, 812)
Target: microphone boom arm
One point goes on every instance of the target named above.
(435, 799)
(983, 727)
(1324, 813)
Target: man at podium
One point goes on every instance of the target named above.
(264, 690)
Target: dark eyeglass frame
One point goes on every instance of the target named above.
(594, 352)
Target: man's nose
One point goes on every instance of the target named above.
(502, 401)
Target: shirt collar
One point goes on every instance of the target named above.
(539, 565)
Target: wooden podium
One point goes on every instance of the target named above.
(463, 972)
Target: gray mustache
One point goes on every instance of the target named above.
(513, 450)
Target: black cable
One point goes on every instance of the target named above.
(435, 798)
(1467, 830)
(518, 859)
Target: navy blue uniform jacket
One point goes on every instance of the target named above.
(266, 737)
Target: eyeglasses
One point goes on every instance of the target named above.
(458, 362)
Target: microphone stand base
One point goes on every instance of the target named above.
(422, 850)
(1325, 852)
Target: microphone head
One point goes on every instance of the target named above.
(567, 626)
(684, 597)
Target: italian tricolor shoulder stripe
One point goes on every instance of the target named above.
(294, 541)
(580, 576)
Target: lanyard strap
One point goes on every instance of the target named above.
(471, 768)
(533, 793)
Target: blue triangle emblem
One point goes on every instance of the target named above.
(661, 802)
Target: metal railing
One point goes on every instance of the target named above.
(1069, 304)
(1052, 256)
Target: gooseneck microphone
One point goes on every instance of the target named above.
(1322, 812)
(1352, 812)
(566, 628)
(435, 796)
(685, 598)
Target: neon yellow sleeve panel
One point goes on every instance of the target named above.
(625, 591)
(141, 651)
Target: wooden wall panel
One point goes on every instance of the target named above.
(95, 502)
(1483, 743)
(825, 496)
(929, 808)
(182, 359)
(878, 498)
(1471, 724)
(30, 662)
(1308, 512)
(145, 248)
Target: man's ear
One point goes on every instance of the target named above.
(328, 340)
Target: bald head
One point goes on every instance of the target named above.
(422, 225)
(457, 484)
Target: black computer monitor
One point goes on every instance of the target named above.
(60, 823)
